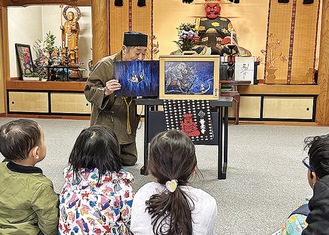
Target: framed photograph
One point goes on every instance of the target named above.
(185, 77)
(137, 78)
(24, 59)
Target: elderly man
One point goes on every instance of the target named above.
(119, 113)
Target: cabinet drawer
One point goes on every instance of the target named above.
(62, 102)
(250, 106)
(288, 107)
(28, 102)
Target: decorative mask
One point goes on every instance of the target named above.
(212, 10)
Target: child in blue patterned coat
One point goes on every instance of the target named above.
(97, 194)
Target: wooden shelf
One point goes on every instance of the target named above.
(279, 89)
(44, 86)
(43, 2)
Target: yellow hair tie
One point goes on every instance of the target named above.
(171, 185)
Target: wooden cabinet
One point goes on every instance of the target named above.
(47, 98)
(66, 99)
(276, 108)
(73, 103)
(278, 103)
(28, 102)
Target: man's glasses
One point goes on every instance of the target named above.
(305, 162)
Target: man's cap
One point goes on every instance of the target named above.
(134, 39)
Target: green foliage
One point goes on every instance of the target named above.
(47, 54)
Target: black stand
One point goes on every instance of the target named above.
(66, 56)
(154, 122)
(55, 75)
(53, 71)
(230, 63)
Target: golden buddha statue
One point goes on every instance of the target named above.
(70, 36)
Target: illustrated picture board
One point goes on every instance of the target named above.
(185, 77)
(24, 59)
(137, 78)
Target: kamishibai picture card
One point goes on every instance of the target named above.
(137, 78)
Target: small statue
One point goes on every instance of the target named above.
(217, 32)
(70, 36)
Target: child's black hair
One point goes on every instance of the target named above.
(96, 147)
(18, 137)
(318, 152)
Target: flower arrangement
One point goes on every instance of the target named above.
(187, 36)
(46, 54)
(273, 54)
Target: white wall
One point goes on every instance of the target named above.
(28, 24)
(24, 26)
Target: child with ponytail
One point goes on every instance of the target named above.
(170, 205)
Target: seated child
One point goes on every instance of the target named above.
(169, 205)
(28, 203)
(318, 177)
(296, 222)
(97, 195)
(313, 216)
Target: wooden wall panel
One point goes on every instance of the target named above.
(128, 17)
(293, 35)
(278, 42)
(142, 18)
(322, 105)
(32, 2)
(304, 47)
(2, 80)
(100, 29)
(4, 57)
(119, 23)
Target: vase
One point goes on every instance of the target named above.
(270, 77)
(230, 70)
(189, 53)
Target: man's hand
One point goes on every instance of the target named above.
(111, 86)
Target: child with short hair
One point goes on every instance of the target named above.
(169, 205)
(97, 195)
(313, 216)
(28, 203)
(318, 178)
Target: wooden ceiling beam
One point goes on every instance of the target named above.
(24, 3)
